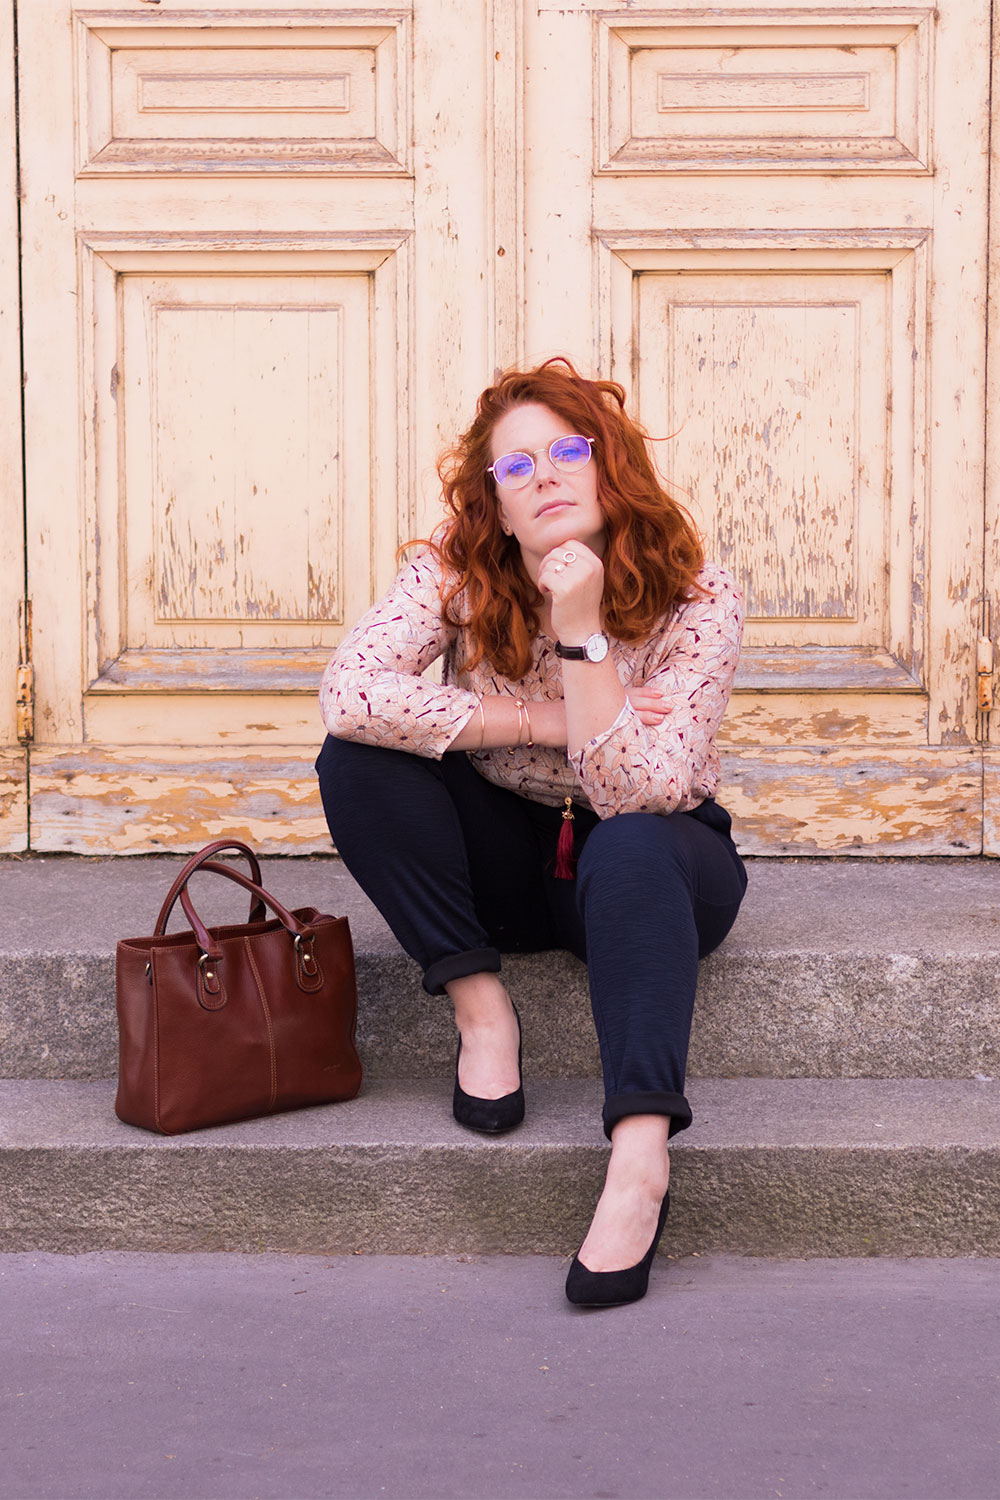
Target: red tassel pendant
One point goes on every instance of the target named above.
(565, 857)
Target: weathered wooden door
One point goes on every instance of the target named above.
(782, 213)
(271, 254)
(254, 304)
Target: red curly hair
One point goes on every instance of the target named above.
(653, 552)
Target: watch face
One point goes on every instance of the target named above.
(597, 648)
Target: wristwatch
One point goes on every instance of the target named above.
(595, 648)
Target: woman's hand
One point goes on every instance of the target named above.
(575, 590)
(648, 704)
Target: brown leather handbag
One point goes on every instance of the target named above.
(225, 1023)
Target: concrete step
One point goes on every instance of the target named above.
(788, 1167)
(834, 969)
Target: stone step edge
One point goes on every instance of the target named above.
(772, 1167)
(795, 1016)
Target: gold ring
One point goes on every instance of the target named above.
(569, 557)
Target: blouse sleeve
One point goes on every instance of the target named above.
(631, 767)
(372, 689)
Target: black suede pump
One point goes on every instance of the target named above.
(492, 1116)
(611, 1288)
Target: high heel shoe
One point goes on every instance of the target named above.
(611, 1288)
(490, 1115)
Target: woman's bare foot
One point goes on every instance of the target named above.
(624, 1221)
(488, 1027)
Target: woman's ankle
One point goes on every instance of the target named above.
(640, 1161)
(480, 1001)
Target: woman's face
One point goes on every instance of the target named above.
(554, 507)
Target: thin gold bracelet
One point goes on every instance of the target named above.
(519, 705)
(531, 738)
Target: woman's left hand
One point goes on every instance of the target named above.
(575, 588)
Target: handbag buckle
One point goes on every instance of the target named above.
(211, 994)
(306, 956)
(211, 979)
(308, 975)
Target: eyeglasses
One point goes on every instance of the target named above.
(514, 470)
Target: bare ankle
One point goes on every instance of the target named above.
(479, 1000)
(639, 1159)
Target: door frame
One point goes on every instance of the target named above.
(990, 722)
(13, 755)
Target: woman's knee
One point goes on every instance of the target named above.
(635, 845)
(343, 762)
(353, 775)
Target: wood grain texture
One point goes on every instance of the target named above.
(136, 801)
(991, 801)
(248, 419)
(132, 800)
(13, 800)
(453, 248)
(989, 725)
(13, 760)
(766, 405)
(505, 182)
(800, 458)
(842, 801)
(56, 397)
(824, 719)
(957, 393)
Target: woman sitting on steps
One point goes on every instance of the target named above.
(557, 790)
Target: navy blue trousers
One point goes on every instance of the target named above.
(462, 871)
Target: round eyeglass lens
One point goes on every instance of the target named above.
(514, 469)
(570, 452)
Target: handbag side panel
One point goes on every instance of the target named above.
(135, 1099)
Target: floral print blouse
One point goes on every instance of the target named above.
(373, 691)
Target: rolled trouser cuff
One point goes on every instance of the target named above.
(620, 1106)
(458, 965)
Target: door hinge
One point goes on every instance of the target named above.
(984, 674)
(25, 677)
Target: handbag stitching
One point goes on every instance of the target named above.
(267, 1018)
(156, 1043)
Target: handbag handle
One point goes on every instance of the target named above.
(258, 911)
(206, 943)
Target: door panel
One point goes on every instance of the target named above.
(789, 274)
(253, 89)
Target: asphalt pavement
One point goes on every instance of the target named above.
(268, 1377)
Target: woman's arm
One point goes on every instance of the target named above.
(633, 754)
(372, 688)
(593, 693)
(634, 767)
(499, 724)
